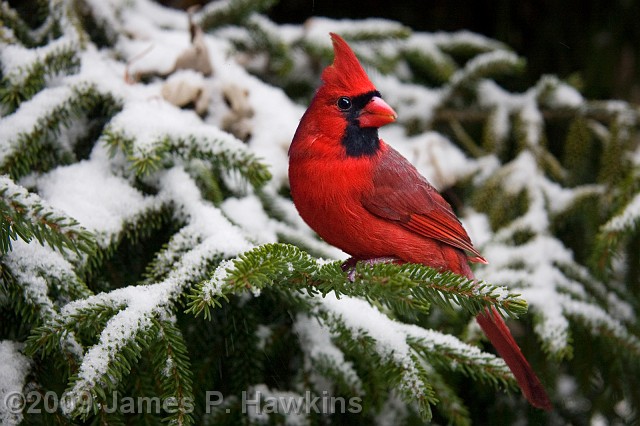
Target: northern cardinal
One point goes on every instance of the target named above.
(362, 196)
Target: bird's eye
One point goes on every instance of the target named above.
(344, 103)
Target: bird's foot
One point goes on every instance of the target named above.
(349, 265)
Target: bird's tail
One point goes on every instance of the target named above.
(496, 330)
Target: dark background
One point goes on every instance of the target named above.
(594, 44)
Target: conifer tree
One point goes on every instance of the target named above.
(153, 267)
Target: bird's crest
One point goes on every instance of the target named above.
(346, 75)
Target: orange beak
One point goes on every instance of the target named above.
(376, 113)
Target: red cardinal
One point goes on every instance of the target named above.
(362, 196)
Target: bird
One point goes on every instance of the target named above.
(362, 196)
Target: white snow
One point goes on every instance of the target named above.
(524, 105)
(16, 60)
(14, 57)
(465, 38)
(317, 29)
(500, 124)
(89, 192)
(204, 218)
(410, 101)
(567, 96)
(315, 341)
(475, 67)
(628, 216)
(391, 338)
(248, 214)
(100, 192)
(427, 44)
(13, 371)
(29, 115)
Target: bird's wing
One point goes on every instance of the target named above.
(401, 194)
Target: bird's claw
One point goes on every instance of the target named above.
(349, 265)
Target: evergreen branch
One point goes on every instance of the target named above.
(407, 287)
(465, 140)
(467, 44)
(228, 12)
(378, 285)
(26, 293)
(484, 65)
(179, 254)
(220, 152)
(28, 217)
(170, 361)
(264, 266)
(603, 325)
(367, 30)
(452, 407)
(26, 297)
(207, 181)
(448, 290)
(405, 353)
(134, 229)
(171, 253)
(37, 123)
(618, 228)
(396, 366)
(84, 322)
(266, 38)
(446, 352)
(267, 265)
(254, 270)
(326, 358)
(37, 280)
(416, 386)
(430, 62)
(107, 363)
(23, 84)
(12, 20)
(245, 358)
(201, 300)
(616, 304)
(550, 113)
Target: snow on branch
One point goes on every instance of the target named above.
(324, 359)
(404, 288)
(525, 255)
(22, 80)
(486, 65)
(405, 352)
(28, 216)
(150, 134)
(628, 218)
(352, 30)
(13, 375)
(116, 181)
(30, 137)
(228, 12)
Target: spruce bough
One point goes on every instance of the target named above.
(162, 258)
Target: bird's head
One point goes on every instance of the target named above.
(347, 109)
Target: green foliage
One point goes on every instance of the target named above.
(27, 216)
(23, 84)
(39, 148)
(199, 287)
(20, 25)
(409, 288)
(216, 152)
(228, 12)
